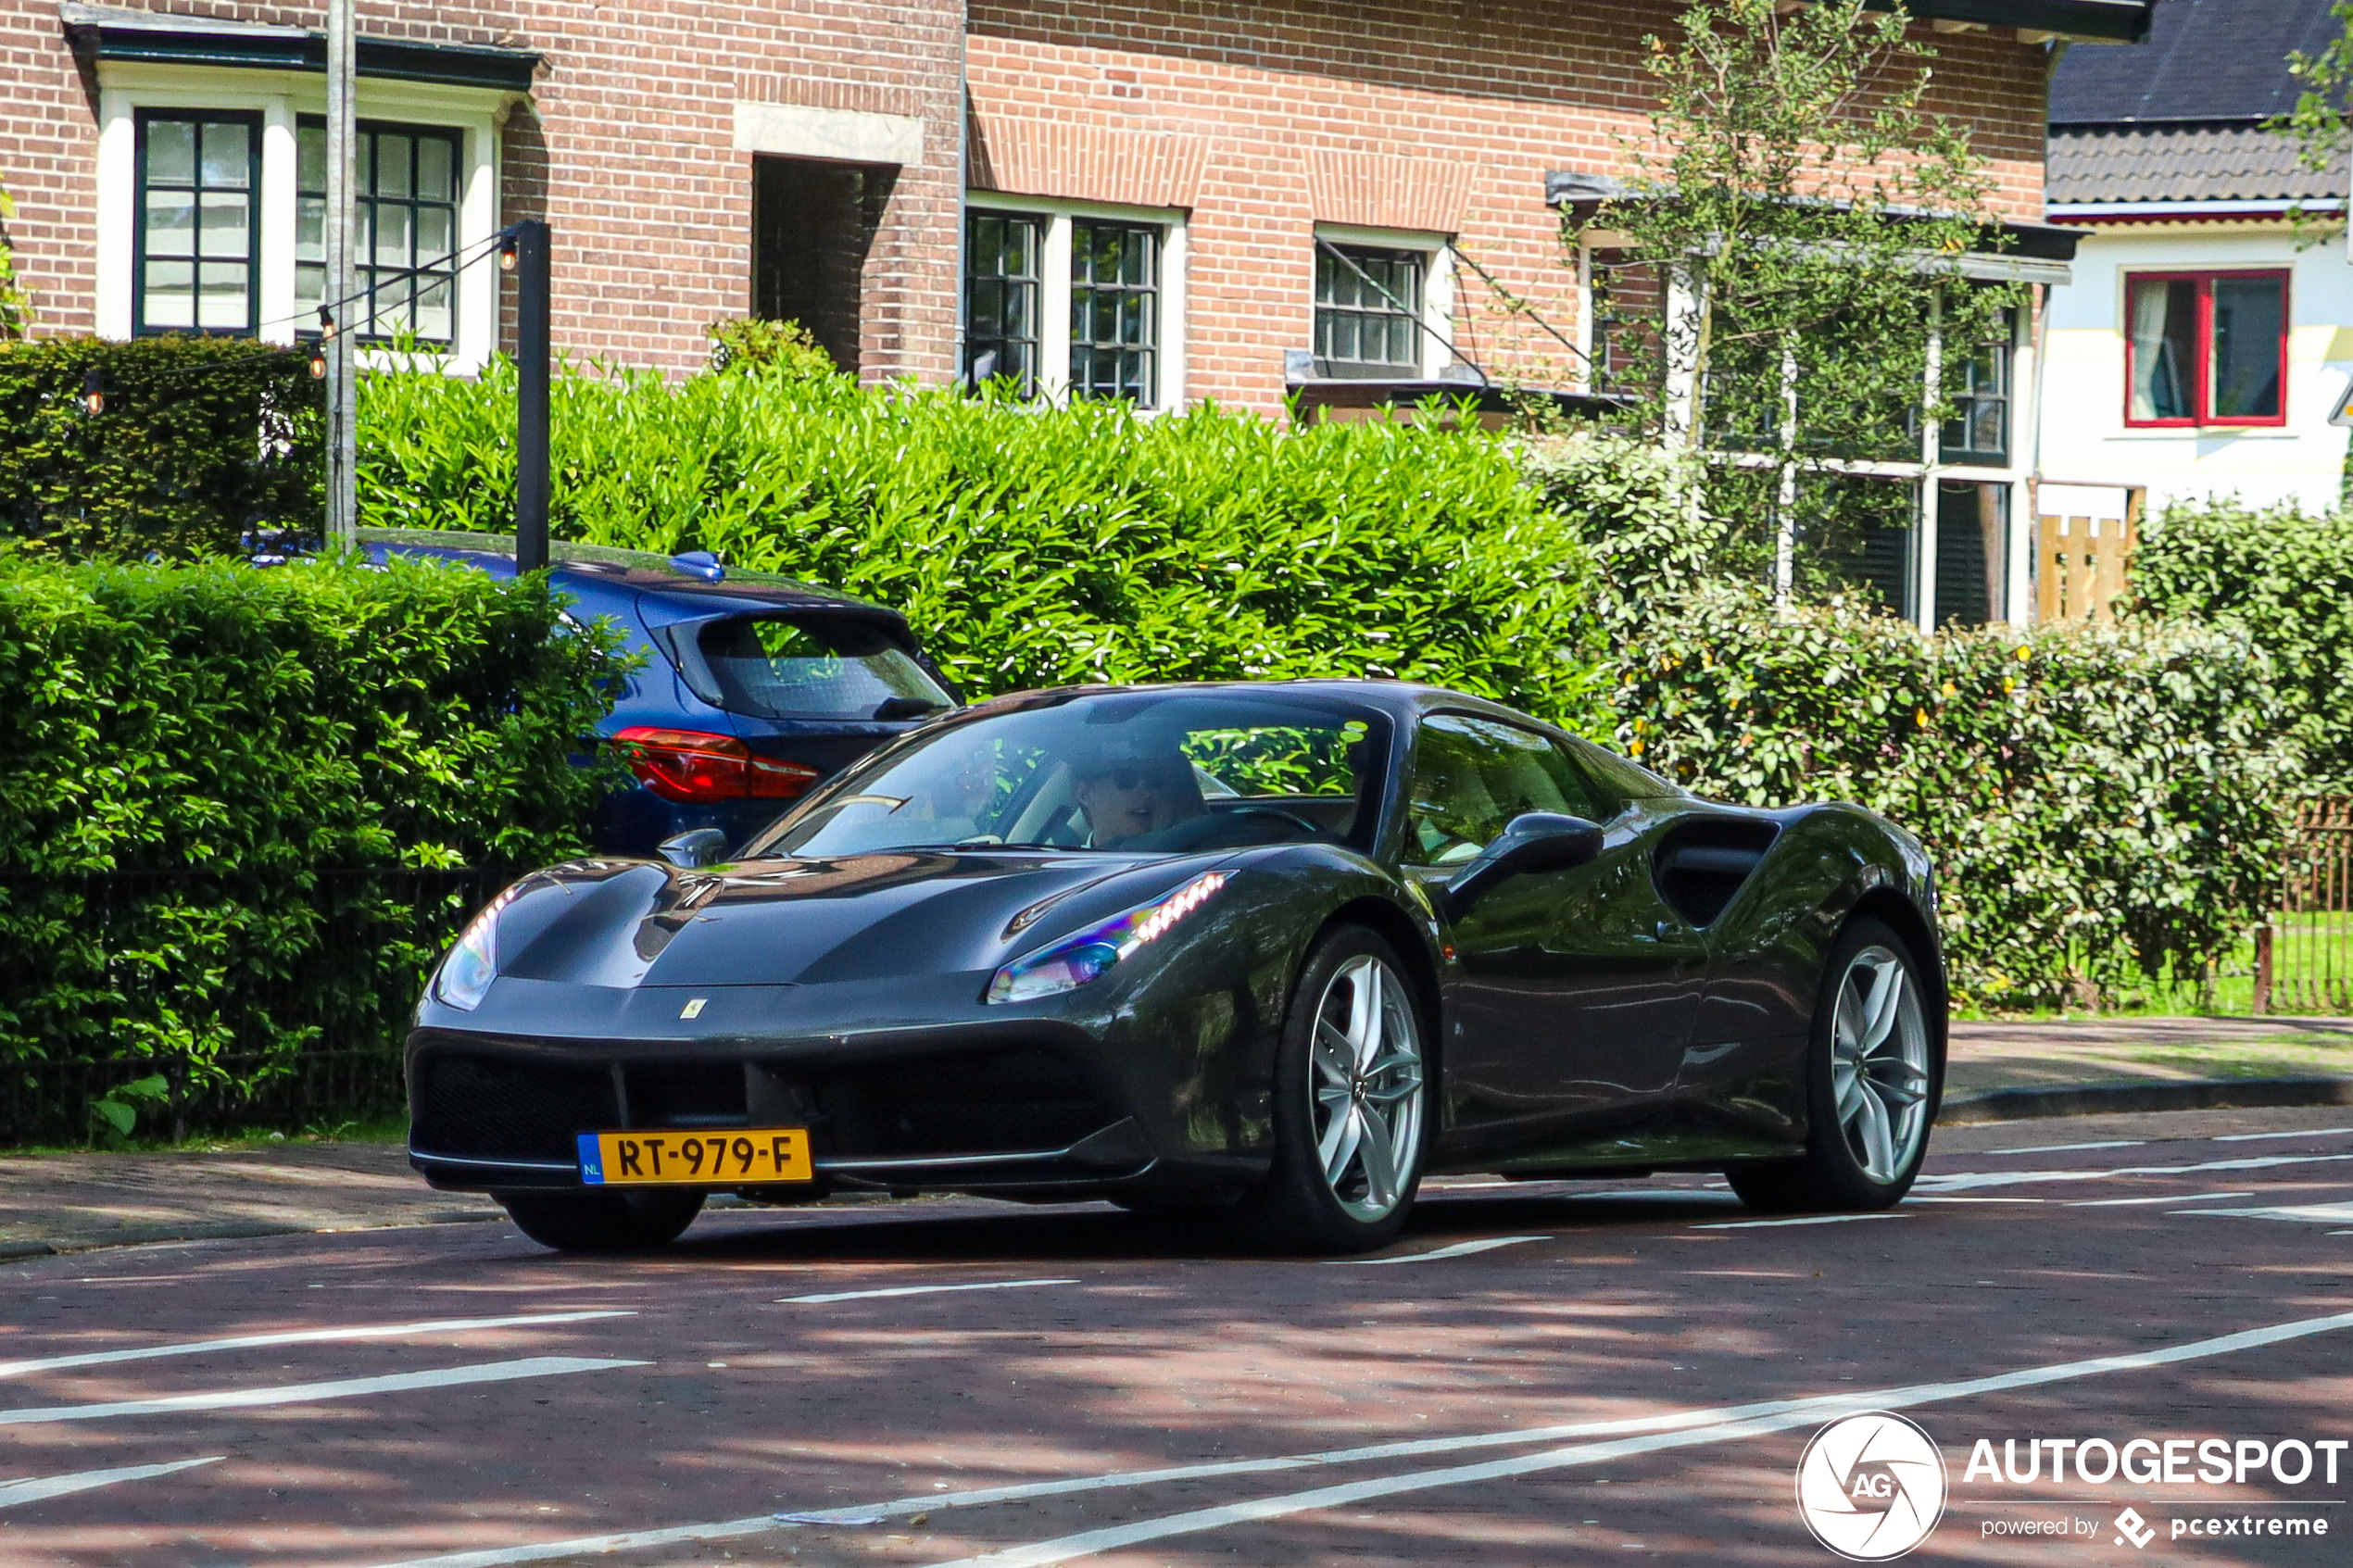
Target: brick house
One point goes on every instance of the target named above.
(1142, 198)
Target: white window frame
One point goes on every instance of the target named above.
(1437, 323)
(1923, 473)
(1054, 216)
(281, 97)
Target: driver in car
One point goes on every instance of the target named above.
(1130, 789)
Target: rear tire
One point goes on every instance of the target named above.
(1351, 1131)
(602, 1222)
(1875, 1070)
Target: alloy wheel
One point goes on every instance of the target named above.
(1367, 1067)
(1879, 1063)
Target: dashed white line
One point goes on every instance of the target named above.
(2070, 1147)
(914, 1290)
(2139, 1202)
(312, 1393)
(2308, 1132)
(1043, 1554)
(2310, 1213)
(1460, 1249)
(1920, 1198)
(1807, 1219)
(1820, 1407)
(301, 1336)
(1963, 1180)
(35, 1489)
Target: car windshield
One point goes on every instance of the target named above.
(773, 667)
(1166, 772)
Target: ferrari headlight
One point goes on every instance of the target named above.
(465, 976)
(1074, 960)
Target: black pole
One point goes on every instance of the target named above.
(531, 395)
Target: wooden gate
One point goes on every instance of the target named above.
(2304, 957)
(2081, 562)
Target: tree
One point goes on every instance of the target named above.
(2319, 124)
(1780, 264)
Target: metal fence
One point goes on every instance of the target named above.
(262, 999)
(2304, 955)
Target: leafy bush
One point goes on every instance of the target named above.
(2286, 581)
(2101, 801)
(780, 349)
(1034, 547)
(200, 439)
(223, 792)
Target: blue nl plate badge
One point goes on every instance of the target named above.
(592, 1162)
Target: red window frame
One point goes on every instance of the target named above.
(2202, 415)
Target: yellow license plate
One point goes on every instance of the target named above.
(748, 1154)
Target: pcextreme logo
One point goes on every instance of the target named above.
(1871, 1486)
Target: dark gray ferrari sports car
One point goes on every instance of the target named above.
(1279, 949)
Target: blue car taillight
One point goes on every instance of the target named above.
(1074, 960)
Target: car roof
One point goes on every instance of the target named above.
(642, 571)
(1401, 700)
(1398, 698)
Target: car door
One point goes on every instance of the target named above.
(1573, 991)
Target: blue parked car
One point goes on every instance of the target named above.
(753, 687)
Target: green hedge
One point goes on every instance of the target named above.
(2101, 801)
(199, 440)
(1037, 547)
(2285, 580)
(224, 792)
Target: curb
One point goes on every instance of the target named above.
(2109, 1100)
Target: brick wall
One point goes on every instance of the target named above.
(626, 148)
(1389, 113)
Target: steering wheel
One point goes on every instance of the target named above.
(1293, 818)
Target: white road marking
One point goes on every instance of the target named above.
(1964, 1179)
(1918, 1197)
(1460, 1249)
(914, 1290)
(2070, 1147)
(301, 1336)
(1818, 1407)
(15, 1493)
(2136, 1202)
(2310, 1213)
(1808, 1220)
(311, 1393)
(2308, 1132)
(1042, 1554)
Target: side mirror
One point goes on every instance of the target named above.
(1535, 841)
(703, 846)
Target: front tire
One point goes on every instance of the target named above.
(1349, 1102)
(1874, 1073)
(603, 1222)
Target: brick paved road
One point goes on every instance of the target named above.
(1537, 1375)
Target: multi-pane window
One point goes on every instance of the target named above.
(1368, 308)
(2206, 348)
(405, 194)
(1979, 431)
(1002, 287)
(197, 265)
(1115, 310)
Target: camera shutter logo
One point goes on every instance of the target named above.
(1871, 1486)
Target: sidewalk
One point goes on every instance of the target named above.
(1999, 1072)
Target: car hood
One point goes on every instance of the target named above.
(810, 921)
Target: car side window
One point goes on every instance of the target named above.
(1472, 776)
